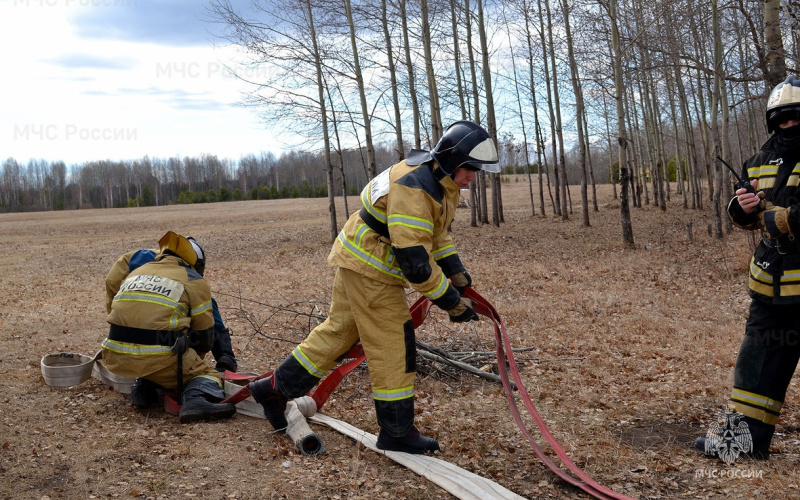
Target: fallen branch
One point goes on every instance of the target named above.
(490, 353)
(463, 366)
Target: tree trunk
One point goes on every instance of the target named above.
(371, 167)
(775, 56)
(548, 84)
(579, 111)
(398, 124)
(622, 136)
(412, 91)
(491, 121)
(324, 117)
(457, 61)
(436, 114)
(715, 103)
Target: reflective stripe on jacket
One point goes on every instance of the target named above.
(166, 294)
(416, 209)
(775, 264)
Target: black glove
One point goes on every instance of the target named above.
(201, 340)
(461, 281)
(463, 311)
(180, 347)
(226, 363)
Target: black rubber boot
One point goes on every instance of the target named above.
(144, 394)
(760, 434)
(272, 400)
(413, 442)
(196, 408)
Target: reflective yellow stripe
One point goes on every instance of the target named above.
(394, 395)
(766, 183)
(791, 275)
(757, 399)
(217, 380)
(790, 290)
(204, 307)
(439, 290)
(310, 367)
(755, 413)
(759, 171)
(152, 299)
(441, 253)
(761, 288)
(794, 178)
(382, 265)
(136, 349)
(410, 221)
(790, 283)
(366, 202)
(759, 274)
(760, 280)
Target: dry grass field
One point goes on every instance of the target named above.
(630, 353)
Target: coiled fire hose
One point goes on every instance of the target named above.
(310, 443)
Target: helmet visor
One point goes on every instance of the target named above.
(484, 157)
(783, 115)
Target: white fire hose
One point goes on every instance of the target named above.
(297, 410)
(459, 482)
(69, 369)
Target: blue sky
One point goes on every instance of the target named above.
(89, 80)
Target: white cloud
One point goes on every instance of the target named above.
(77, 98)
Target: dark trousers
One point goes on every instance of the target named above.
(767, 360)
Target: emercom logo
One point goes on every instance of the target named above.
(728, 437)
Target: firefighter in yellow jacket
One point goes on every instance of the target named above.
(160, 319)
(222, 349)
(399, 238)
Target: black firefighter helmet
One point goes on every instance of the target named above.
(466, 144)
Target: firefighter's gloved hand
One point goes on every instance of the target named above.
(764, 204)
(201, 340)
(180, 347)
(224, 363)
(775, 221)
(463, 311)
(461, 281)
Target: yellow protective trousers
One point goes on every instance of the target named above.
(376, 314)
(155, 363)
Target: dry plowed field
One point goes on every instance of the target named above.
(626, 353)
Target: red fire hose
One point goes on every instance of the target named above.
(419, 311)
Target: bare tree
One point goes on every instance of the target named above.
(579, 111)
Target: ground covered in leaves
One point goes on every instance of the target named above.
(627, 353)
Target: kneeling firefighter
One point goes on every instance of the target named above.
(399, 238)
(222, 350)
(161, 326)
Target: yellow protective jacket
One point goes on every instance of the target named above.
(166, 294)
(401, 235)
(122, 268)
(155, 304)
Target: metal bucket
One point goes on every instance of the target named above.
(65, 369)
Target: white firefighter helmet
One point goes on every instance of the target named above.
(783, 103)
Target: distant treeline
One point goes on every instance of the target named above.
(41, 185)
